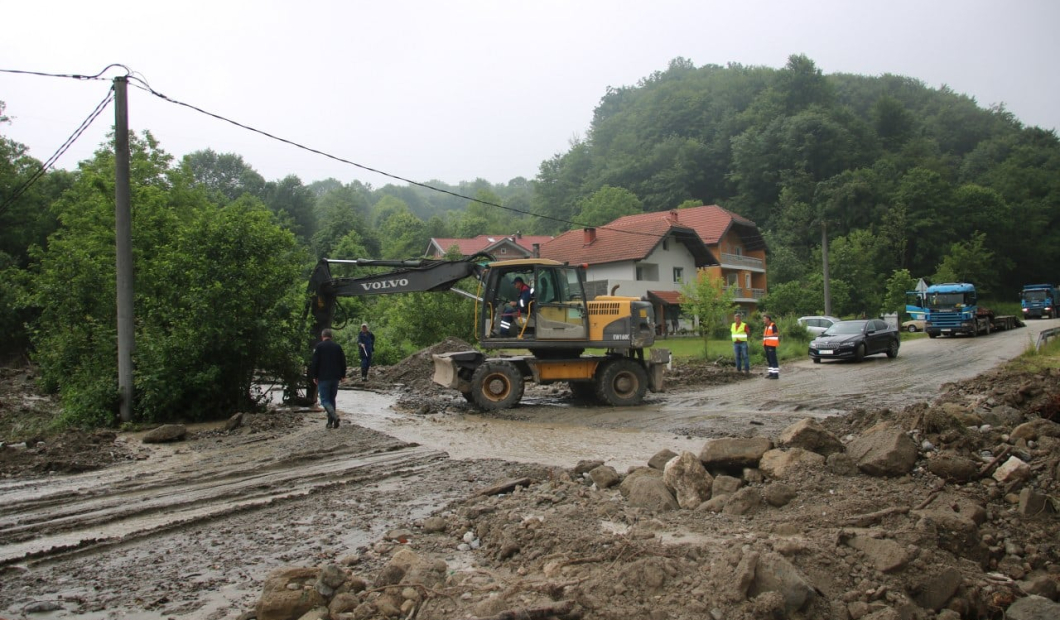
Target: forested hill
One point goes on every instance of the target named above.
(899, 172)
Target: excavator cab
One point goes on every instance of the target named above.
(556, 311)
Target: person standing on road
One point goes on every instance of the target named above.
(740, 332)
(365, 348)
(770, 342)
(327, 368)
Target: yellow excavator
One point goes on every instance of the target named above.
(556, 325)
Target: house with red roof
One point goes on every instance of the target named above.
(650, 255)
(500, 247)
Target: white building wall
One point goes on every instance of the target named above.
(624, 274)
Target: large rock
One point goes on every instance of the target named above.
(661, 458)
(688, 480)
(784, 463)
(884, 450)
(1012, 470)
(1039, 427)
(885, 554)
(742, 502)
(725, 485)
(934, 591)
(627, 483)
(1033, 608)
(808, 434)
(650, 492)
(288, 593)
(166, 433)
(778, 494)
(734, 453)
(954, 468)
(604, 477)
(773, 573)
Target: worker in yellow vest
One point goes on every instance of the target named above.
(770, 342)
(740, 332)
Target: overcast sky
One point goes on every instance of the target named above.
(456, 90)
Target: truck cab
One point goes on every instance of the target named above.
(1039, 301)
(952, 309)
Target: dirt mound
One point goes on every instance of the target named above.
(416, 370)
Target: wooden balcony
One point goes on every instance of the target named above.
(744, 262)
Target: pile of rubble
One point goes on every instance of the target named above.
(946, 511)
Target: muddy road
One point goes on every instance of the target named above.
(552, 430)
(192, 529)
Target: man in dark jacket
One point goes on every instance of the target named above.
(326, 369)
(365, 347)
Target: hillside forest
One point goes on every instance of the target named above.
(905, 181)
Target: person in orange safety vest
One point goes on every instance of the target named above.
(770, 342)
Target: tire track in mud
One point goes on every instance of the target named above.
(42, 520)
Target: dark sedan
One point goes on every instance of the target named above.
(854, 340)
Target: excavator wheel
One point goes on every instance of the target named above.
(621, 382)
(496, 385)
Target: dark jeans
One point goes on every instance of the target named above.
(771, 358)
(743, 360)
(327, 389)
(366, 363)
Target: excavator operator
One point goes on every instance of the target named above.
(516, 309)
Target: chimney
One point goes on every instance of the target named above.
(518, 234)
(590, 236)
(537, 250)
(672, 216)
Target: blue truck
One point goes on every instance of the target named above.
(1039, 301)
(953, 309)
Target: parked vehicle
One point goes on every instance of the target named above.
(915, 306)
(855, 340)
(913, 326)
(953, 308)
(1039, 301)
(816, 325)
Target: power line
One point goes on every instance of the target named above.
(145, 87)
(74, 76)
(61, 150)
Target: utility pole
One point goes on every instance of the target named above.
(123, 250)
(824, 261)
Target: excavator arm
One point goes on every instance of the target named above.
(404, 276)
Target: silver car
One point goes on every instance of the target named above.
(817, 324)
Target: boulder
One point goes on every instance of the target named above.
(783, 463)
(289, 593)
(586, 466)
(632, 476)
(778, 494)
(884, 450)
(742, 502)
(604, 477)
(734, 453)
(1033, 608)
(1033, 504)
(650, 492)
(661, 458)
(166, 433)
(808, 434)
(688, 480)
(1039, 427)
(725, 485)
(773, 573)
(1012, 470)
(954, 468)
(934, 591)
(885, 554)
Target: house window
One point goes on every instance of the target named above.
(666, 244)
(679, 274)
(648, 272)
(732, 279)
(747, 280)
(504, 250)
(737, 250)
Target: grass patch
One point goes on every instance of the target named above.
(1035, 361)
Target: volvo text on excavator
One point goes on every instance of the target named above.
(555, 323)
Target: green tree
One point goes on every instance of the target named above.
(293, 204)
(971, 261)
(217, 296)
(606, 205)
(894, 298)
(225, 176)
(709, 300)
